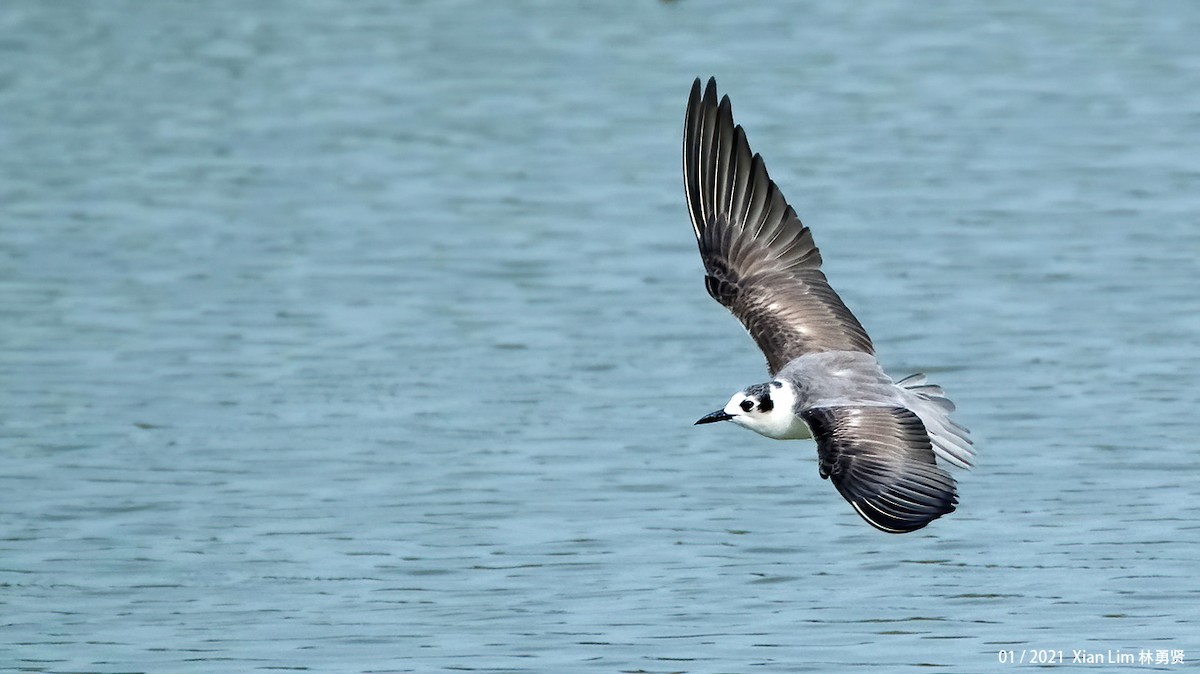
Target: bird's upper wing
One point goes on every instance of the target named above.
(880, 460)
(760, 259)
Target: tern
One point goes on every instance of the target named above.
(881, 442)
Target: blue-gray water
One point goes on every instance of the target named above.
(368, 337)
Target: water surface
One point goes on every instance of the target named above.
(368, 338)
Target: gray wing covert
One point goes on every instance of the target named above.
(760, 260)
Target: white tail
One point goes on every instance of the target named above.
(951, 441)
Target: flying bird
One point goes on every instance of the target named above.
(882, 443)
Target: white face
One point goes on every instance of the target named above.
(767, 410)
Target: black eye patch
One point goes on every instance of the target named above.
(761, 394)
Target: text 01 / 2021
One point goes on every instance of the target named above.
(1031, 656)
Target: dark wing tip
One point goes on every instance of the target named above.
(890, 523)
(890, 512)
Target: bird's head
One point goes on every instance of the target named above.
(763, 408)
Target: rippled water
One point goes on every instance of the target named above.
(368, 337)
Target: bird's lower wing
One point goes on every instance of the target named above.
(881, 461)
